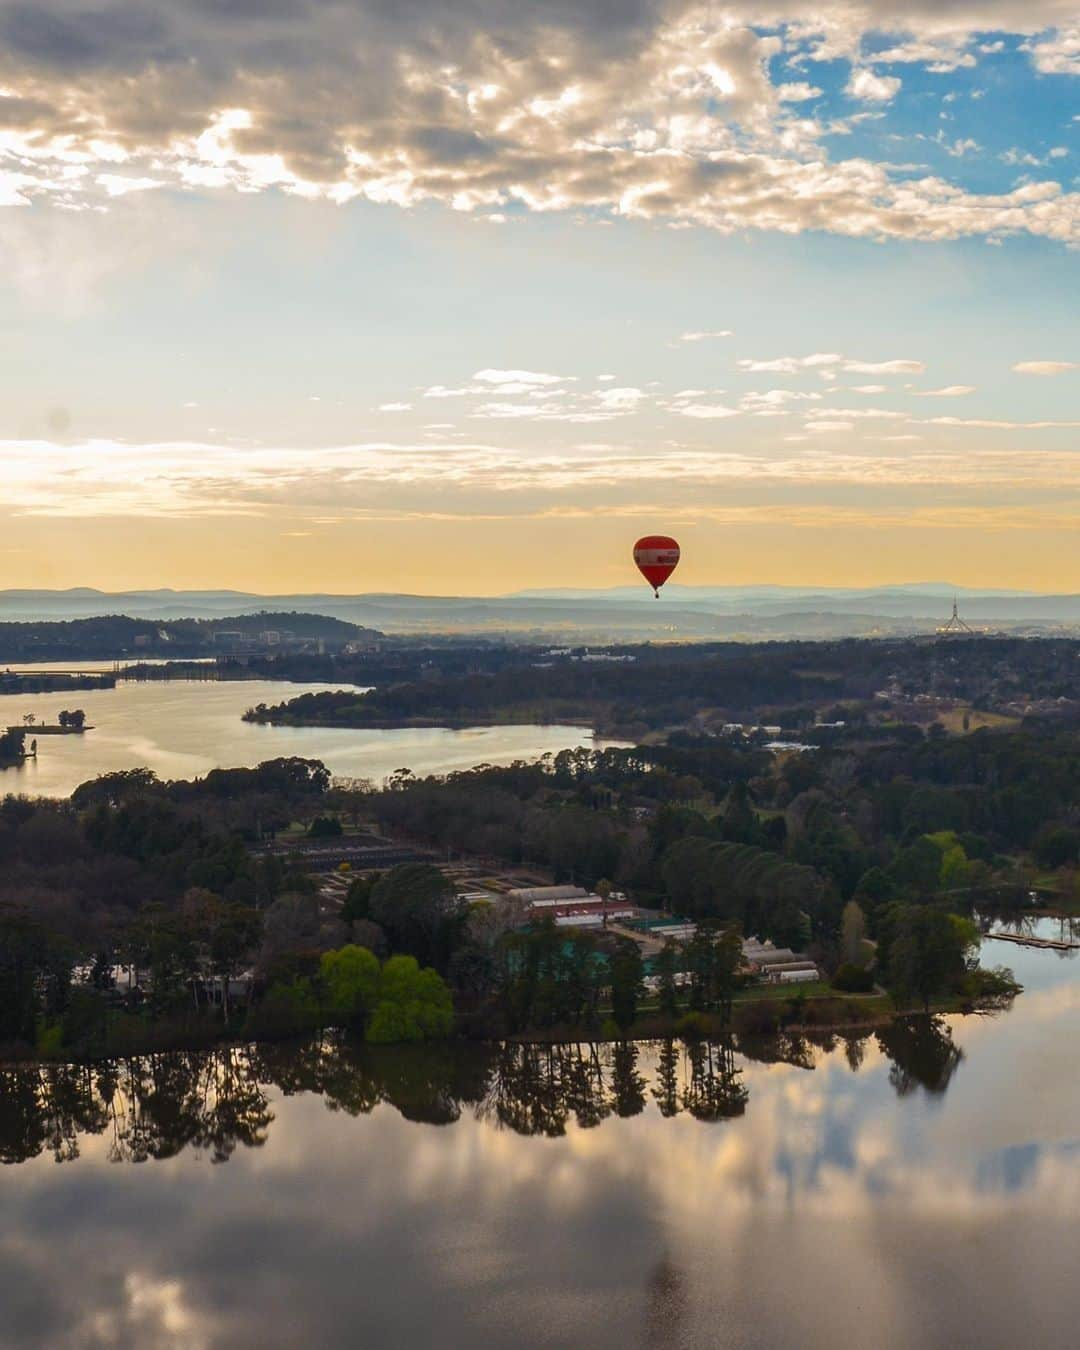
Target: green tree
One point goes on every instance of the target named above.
(627, 982)
(665, 968)
(713, 956)
(350, 978)
(414, 905)
(358, 898)
(853, 934)
(414, 1004)
(924, 952)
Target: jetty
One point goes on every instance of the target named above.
(1024, 940)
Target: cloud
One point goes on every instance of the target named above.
(871, 88)
(1058, 53)
(706, 411)
(1045, 367)
(395, 407)
(994, 424)
(775, 398)
(297, 489)
(703, 337)
(828, 362)
(660, 110)
(947, 391)
(525, 378)
(885, 367)
(619, 399)
(799, 92)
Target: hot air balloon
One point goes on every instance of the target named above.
(657, 556)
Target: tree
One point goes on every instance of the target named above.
(1057, 846)
(22, 957)
(627, 982)
(225, 933)
(740, 823)
(358, 898)
(414, 1004)
(713, 956)
(924, 951)
(350, 978)
(853, 934)
(665, 968)
(414, 905)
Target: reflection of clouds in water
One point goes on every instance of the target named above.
(830, 1203)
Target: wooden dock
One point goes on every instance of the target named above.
(1023, 940)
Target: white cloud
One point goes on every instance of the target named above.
(1057, 53)
(776, 398)
(829, 362)
(119, 185)
(619, 399)
(655, 110)
(707, 411)
(525, 378)
(871, 88)
(946, 391)
(395, 407)
(703, 337)
(1045, 367)
(798, 92)
(993, 424)
(190, 479)
(862, 414)
(885, 367)
(960, 147)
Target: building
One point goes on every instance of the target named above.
(548, 895)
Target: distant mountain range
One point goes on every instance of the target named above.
(620, 613)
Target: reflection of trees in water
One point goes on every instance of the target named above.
(151, 1107)
(156, 1106)
(715, 1090)
(923, 1054)
(1060, 927)
(538, 1089)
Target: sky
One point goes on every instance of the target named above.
(463, 296)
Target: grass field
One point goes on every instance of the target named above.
(953, 721)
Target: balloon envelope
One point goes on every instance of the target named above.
(657, 556)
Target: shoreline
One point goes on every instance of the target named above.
(870, 1014)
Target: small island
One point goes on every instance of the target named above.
(13, 744)
(68, 723)
(13, 747)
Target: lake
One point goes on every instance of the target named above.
(184, 728)
(917, 1188)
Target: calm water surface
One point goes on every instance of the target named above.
(918, 1188)
(181, 729)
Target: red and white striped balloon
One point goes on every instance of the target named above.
(657, 556)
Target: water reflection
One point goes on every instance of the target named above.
(181, 730)
(213, 1101)
(917, 1186)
